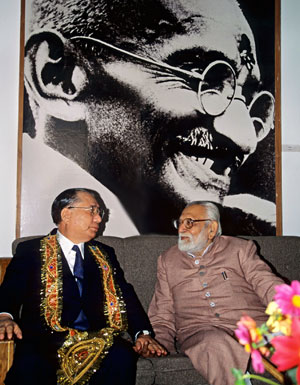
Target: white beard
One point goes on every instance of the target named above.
(194, 244)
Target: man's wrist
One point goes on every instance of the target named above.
(6, 315)
(143, 333)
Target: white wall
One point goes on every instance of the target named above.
(9, 78)
(9, 73)
(290, 94)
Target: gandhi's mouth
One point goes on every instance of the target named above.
(211, 154)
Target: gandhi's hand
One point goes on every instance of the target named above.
(146, 346)
(8, 328)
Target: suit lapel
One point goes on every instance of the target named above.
(93, 295)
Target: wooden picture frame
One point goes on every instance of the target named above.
(118, 230)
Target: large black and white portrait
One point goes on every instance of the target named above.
(153, 103)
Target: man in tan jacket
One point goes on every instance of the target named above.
(204, 285)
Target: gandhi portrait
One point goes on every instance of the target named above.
(159, 102)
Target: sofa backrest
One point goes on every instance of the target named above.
(138, 257)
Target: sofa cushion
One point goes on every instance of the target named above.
(175, 369)
(145, 374)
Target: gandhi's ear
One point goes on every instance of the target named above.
(53, 76)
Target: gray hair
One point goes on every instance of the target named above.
(212, 212)
(68, 197)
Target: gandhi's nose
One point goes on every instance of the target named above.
(236, 124)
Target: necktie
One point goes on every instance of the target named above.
(78, 268)
(81, 322)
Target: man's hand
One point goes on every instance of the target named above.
(146, 346)
(8, 328)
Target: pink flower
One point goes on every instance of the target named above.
(248, 322)
(257, 363)
(287, 350)
(247, 335)
(250, 325)
(243, 335)
(288, 298)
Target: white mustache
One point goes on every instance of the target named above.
(186, 235)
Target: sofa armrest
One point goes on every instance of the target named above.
(4, 262)
(6, 358)
(6, 346)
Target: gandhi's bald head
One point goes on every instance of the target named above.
(146, 20)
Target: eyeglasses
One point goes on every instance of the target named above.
(216, 87)
(94, 210)
(187, 222)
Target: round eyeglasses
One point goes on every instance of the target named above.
(187, 222)
(216, 88)
(94, 210)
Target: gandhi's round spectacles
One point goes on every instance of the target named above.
(187, 222)
(216, 87)
(94, 210)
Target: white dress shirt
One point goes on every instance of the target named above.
(66, 246)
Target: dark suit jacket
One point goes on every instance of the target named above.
(20, 294)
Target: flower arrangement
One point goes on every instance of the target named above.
(278, 339)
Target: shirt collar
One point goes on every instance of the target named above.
(67, 245)
(204, 252)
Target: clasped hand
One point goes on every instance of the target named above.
(146, 346)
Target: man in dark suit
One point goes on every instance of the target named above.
(66, 300)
